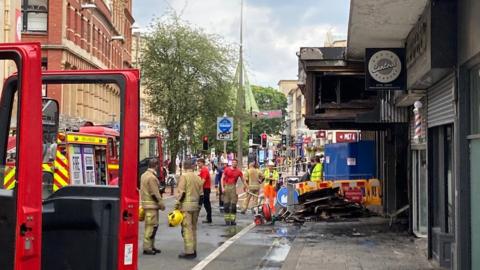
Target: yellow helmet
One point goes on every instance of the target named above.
(175, 218)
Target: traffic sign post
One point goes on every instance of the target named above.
(224, 128)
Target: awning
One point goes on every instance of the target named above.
(380, 24)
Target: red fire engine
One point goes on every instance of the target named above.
(86, 226)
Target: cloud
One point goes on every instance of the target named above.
(274, 30)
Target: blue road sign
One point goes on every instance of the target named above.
(225, 125)
(225, 128)
(282, 196)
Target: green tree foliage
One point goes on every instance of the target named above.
(187, 75)
(267, 99)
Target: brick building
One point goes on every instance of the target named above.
(9, 15)
(80, 34)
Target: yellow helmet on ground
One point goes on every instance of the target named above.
(175, 218)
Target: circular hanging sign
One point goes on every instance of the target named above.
(384, 66)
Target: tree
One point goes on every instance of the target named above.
(187, 75)
(269, 98)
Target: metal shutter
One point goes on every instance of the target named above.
(441, 108)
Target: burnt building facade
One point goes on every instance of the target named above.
(427, 132)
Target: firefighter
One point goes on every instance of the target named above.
(205, 175)
(151, 202)
(189, 202)
(253, 177)
(270, 176)
(229, 189)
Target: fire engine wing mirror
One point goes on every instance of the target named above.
(20, 161)
(50, 118)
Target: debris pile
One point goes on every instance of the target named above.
(325, 204)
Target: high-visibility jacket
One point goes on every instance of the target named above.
(317, 173)
(270, 177)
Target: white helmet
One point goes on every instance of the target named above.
(270, 163)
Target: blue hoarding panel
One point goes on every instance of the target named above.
(349, 161)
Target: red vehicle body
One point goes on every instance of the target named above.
(27, 232)
(112, 154)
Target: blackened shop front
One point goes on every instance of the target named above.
(431, 56)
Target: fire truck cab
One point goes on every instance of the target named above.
(151, 147)
(78, 226)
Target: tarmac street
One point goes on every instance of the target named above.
(170, 242)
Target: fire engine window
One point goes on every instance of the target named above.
(87, 151)
(112, 148)
(8, 166)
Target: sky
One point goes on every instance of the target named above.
(274, 30)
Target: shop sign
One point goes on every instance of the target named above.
(321, 134)
(346, 137)
(354, 195)
(385, 69)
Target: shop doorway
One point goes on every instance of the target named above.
(420, 199)
(474, 199)
(441, 181)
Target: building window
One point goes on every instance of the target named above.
(35, 15)
(109, 4)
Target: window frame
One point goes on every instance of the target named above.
(26, 11)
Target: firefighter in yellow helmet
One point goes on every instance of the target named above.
(253, 177)
(151, 202)
(189, 201)
(270, 176)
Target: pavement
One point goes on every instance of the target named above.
(359, 244)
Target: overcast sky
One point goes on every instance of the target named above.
(274, 30)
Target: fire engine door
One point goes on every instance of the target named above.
(21, 160)
(103, 232)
